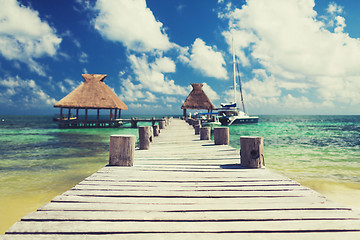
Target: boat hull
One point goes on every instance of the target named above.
(225, 121)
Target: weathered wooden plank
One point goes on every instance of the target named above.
(160, 187)
(198, 236)
(139, 206)
(149, 174)
(186, 201)
(85, 227)
(185, 184)
(129, 215)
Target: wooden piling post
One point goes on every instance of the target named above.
(252, 152)
(205, 133)
(189, 121)
(162, 124)
(156, 130)
(145, 137)
(122, 149)
(221, 136)
(151, 129)
(133, 122)
(196, 122)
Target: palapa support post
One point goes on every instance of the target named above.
(69, 114)
(122, 149)
(221, 136)
(162, 124)
(156, 130)
(197, 129)
(145, 137)
(252, 152)
(205, 133)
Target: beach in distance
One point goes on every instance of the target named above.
(39, 161)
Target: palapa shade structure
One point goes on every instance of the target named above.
(197, 99)
(93, 93)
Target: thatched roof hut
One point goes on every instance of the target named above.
(91, 94)
(197, 99)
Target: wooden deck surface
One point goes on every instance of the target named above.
(184, 188)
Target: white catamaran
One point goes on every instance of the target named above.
(229, 113)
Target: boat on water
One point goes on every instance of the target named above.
(230, 113)
(233, 115)
(56, 118)
(209, 119)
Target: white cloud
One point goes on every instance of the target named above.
(164, 64)
(24, 36)
(83, 57)
(68, 85)
(168, 99)
(263, 85)
(296, 50)
(206, 59)
(17, 92)
(143, 106)
(149, 97)
(148, 74)
(340, 24)
(180, 7)
(131, 92)
(333, 8)
(132, 23)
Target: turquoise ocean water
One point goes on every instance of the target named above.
(39, 161)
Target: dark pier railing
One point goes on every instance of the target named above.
(107, 123)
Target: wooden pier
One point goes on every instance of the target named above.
(184, 188)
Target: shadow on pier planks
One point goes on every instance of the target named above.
(178, 190)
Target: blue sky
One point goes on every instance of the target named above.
(296, 56)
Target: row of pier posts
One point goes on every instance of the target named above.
(252, 148)
(122, 147)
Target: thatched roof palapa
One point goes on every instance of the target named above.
(197, 99)
(93, 93)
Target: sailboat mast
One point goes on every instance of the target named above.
(234, 69)
(235, 75)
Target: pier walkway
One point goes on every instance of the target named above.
(184, 188)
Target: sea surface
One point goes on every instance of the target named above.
(39, 161)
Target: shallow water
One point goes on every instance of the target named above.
(321, 152)
(39, 161)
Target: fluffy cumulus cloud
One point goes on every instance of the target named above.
(17, 92)
(24, 36)
(131, 23)
(135, 92)
(206, 59)
(67, 85)
(150, 79)
(297, 50)
(149, 75)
